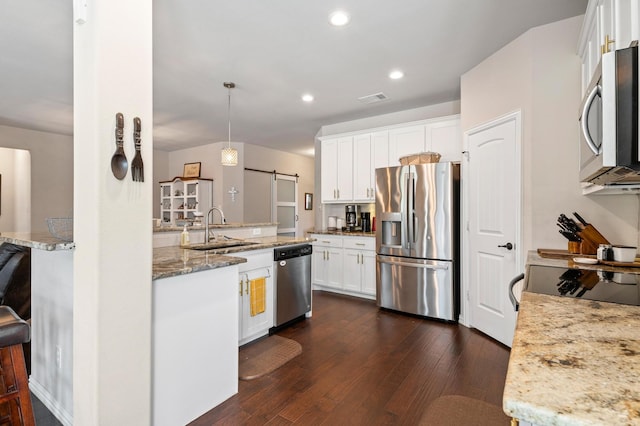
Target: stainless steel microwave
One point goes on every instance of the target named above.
(609, 152)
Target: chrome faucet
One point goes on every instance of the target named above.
(207, 237)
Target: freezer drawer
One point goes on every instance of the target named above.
(417, 286)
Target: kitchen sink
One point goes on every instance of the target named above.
(215, 245)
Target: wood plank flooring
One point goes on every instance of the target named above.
(364, 366)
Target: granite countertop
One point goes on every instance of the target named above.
(232, 225)
(343, 233)
(173, 261)
(573, 361)
(37, 240)
(533, 258)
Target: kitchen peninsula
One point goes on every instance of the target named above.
(574, 361)
(195, 317)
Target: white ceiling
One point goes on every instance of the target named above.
(274, 50)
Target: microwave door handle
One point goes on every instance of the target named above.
(584, 123)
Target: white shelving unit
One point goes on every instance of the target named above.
(181, 197)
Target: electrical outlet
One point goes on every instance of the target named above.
(257, 231)
(59, 357)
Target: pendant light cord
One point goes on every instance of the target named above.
(229, 116)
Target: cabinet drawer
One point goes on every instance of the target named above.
(360, 243)
(326, 240)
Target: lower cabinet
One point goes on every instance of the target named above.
(326, 265)
(255, 278)
(345, 265)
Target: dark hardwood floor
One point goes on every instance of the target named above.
(364, 366)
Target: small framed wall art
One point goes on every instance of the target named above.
(191, 170)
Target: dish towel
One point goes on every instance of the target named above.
(258, 295)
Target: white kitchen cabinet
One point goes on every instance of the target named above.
(348, 161)
(337, 170)
(344, 264)
(607, 25)
(327, 261)
(180, 198)
(250, 327)
(445, 138)
(405, 141)
(371, 150)
(359, 265)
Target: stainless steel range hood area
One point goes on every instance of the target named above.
(613, 180)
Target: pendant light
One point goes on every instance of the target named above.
(229, 155)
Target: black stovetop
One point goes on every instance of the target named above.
(615, 287)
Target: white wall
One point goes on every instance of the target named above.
(415, 114)
(258, 157)
(160, 171)
(7, 188)
(252, 156)
(51, 172)
(539, 73)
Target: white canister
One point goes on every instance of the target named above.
(624, 254)
(340, 223)
(332, 223)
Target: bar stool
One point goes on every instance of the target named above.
(14, 383)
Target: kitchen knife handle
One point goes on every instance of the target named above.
(582, 221)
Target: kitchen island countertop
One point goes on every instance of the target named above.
(216, 226)
(574, 362)
(37, 240)
(172, 261)
(343, 233)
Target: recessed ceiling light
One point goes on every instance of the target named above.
(339, 18)
(396, 74)
(307, 97)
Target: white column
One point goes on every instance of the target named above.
(112, 230)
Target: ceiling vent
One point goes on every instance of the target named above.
(376, 97)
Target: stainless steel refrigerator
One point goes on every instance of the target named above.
(417, 239)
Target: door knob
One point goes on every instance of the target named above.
(508, 246)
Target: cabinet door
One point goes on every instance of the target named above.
(344, 163)
(352, 270)
(405, 141)
(260, 322)
(328, 170)
(362, 171)
(334, 267)
(318, 265)
(369, 272)
(379, 151)
(444, 137)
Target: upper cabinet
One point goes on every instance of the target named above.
(371, 150)
(337, 170)
(445, 138)
(608, 25)
(349, 161)
(405, 141)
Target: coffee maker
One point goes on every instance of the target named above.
(351, 220)
(365, 221)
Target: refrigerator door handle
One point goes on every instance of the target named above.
(414, 265)
(410, 212)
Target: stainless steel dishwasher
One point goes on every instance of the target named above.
(292, 266)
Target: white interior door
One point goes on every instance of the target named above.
(494, 224)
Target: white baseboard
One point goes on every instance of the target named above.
(52, 405)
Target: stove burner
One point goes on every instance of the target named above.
(590, 284)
